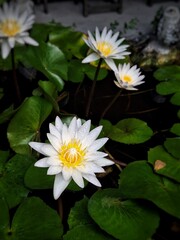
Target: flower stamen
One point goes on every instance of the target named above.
(10, 27)
(105, 48)
(72, 154)
(127, 78)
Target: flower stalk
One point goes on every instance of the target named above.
(111, 103)
(15, 81)
(91, 95)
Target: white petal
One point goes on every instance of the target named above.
(48, 150)
(91, 58)
(90, 138)
(72, 127)
(31, 41)
(37, 146)
(92, 167)
(11, 41)
(95, 155)
(58, 124)
(42, 163)
(92, 179)
(97, 144)
(67, 173)
(77, 177)
(54, 141)
(104, 162)
(84, 130)
(59, 186)
(111, 63)
(53, 130)
(5, 49)
(54, 161)
(53, 170)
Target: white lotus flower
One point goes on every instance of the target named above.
(72, 154)
(128, 77)
(106, 46)
(14, 25)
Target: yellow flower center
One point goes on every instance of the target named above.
(127, 79)
(72, 154)
(105, 48)
(10, 27)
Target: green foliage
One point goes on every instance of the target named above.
(170, 82)
(33, 220)
(176, 129)
(79, 214)
(37, 178)
(164, 163)
(81, 224)
(12, 172)
(124, 209)
(49, 60)
(7, 114)
(129, 131)
(138, 181)
(31, 115)
(123, 219)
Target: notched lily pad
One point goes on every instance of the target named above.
(131, 131)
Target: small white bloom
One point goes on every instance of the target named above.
(72, 154)
(105, 45)
(15, 21)
(128, 77)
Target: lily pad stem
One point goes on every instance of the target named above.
(91, 95)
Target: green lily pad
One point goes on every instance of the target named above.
(123, 219)
(170, 77)
(168, 87)
(131, 131)
(79, 214)
(164, 163)
(175, 99)
(138, 181)
(75, 71)
(173, 146)
(34, 220)
(69, 41)
(49, 60)
(175, 129)
(167, 73)
(25, 124)
(7, 114)
(88, 232)
(50, 92)
(37, 178)
(12, 186)
(4, 218)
